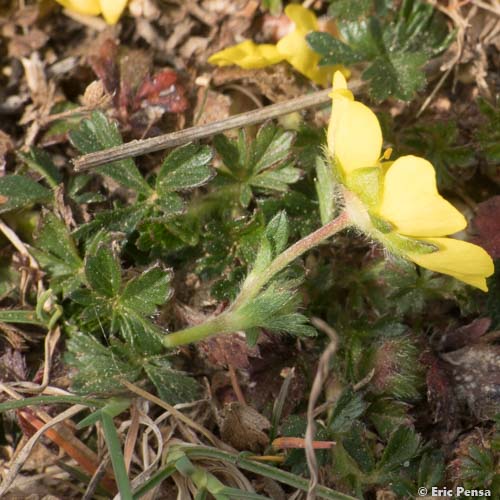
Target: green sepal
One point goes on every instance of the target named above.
(382, 225)
(367, 184)
(404, 245)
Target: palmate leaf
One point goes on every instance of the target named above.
(125, 309)
(397, 42)
(262, 164)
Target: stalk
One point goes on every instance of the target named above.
(229, 321)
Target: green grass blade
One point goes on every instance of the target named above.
(117, 460)
(49, 400)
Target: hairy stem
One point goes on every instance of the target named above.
(229, 321)
(254, 283)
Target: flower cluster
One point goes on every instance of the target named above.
(292, 48)
(397, 202)
(111, 10)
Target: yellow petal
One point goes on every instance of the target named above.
(87, 7)
(304, 19)
(354, 134)
(295, 49)
(247, 55)
(411, 201)
(339, 81)
(112, 10)
(464, 261)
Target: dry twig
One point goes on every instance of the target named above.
(317, 387)
(144, 146)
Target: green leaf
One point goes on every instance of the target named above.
(357, 445)
(57, 253)
(272, 146)
(332, 50)
(228, 151)
(431, 470)
(403, 445)
(276, 180)
(172, 386)
(325, 189)
(99, 133)
(262, 164)
(161, 238)
(347, 409)
(387, 414)
(488, 134)
(277, 232)
(396, 75)
(252, 335)
(396, 40)
(145, 292)
(123, 219)
(103, 272)
(142, 337)
(17, 191)
(170, 204)
(40, 161)
(98, 368)
(350, 10)
(113, 407)
(274, 309)
(77, 184)
(19, 316)
(185, 168)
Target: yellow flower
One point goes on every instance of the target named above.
(292, 48)
(247, 55)
(398, 202)
(111, 10)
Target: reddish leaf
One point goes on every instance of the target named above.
(486, 224)
(126, 75)
(162, 90)
(228, 349)
(105, 65)
(440, 393)
(462, 336)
